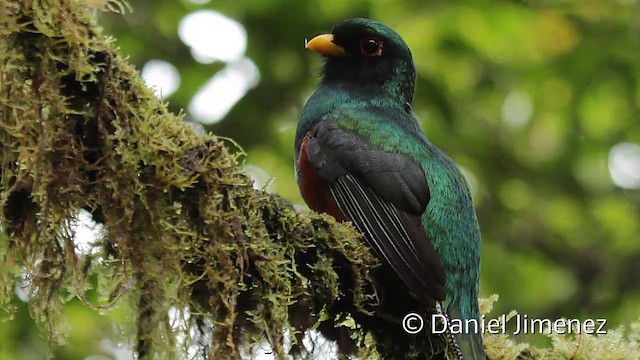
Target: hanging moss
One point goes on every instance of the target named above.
(183, 226)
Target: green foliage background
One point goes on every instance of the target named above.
(559, 238)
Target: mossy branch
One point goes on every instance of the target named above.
(183, 225)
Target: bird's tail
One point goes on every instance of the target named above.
(463, 345)
(470, 346)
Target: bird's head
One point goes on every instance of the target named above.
(368, 56)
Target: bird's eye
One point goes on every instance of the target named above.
(371, 47)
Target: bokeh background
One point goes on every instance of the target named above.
(537, 101)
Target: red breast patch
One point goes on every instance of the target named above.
(314, 191)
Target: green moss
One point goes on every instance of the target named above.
(183, 225)
(618, 344)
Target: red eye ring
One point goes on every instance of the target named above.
(371, 47)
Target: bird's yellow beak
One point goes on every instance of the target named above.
(324, 45)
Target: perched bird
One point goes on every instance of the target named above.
(361, 156)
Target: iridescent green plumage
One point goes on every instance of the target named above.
(368, 96)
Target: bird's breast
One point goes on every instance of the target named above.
(314, 191)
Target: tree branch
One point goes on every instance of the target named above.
(184, 226)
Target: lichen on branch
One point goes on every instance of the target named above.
(184, 226)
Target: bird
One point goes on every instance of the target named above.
(361, 156)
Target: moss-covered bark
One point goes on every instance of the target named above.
(183, 225)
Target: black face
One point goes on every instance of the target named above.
(369, 61)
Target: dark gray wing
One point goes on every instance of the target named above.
(384, 194)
